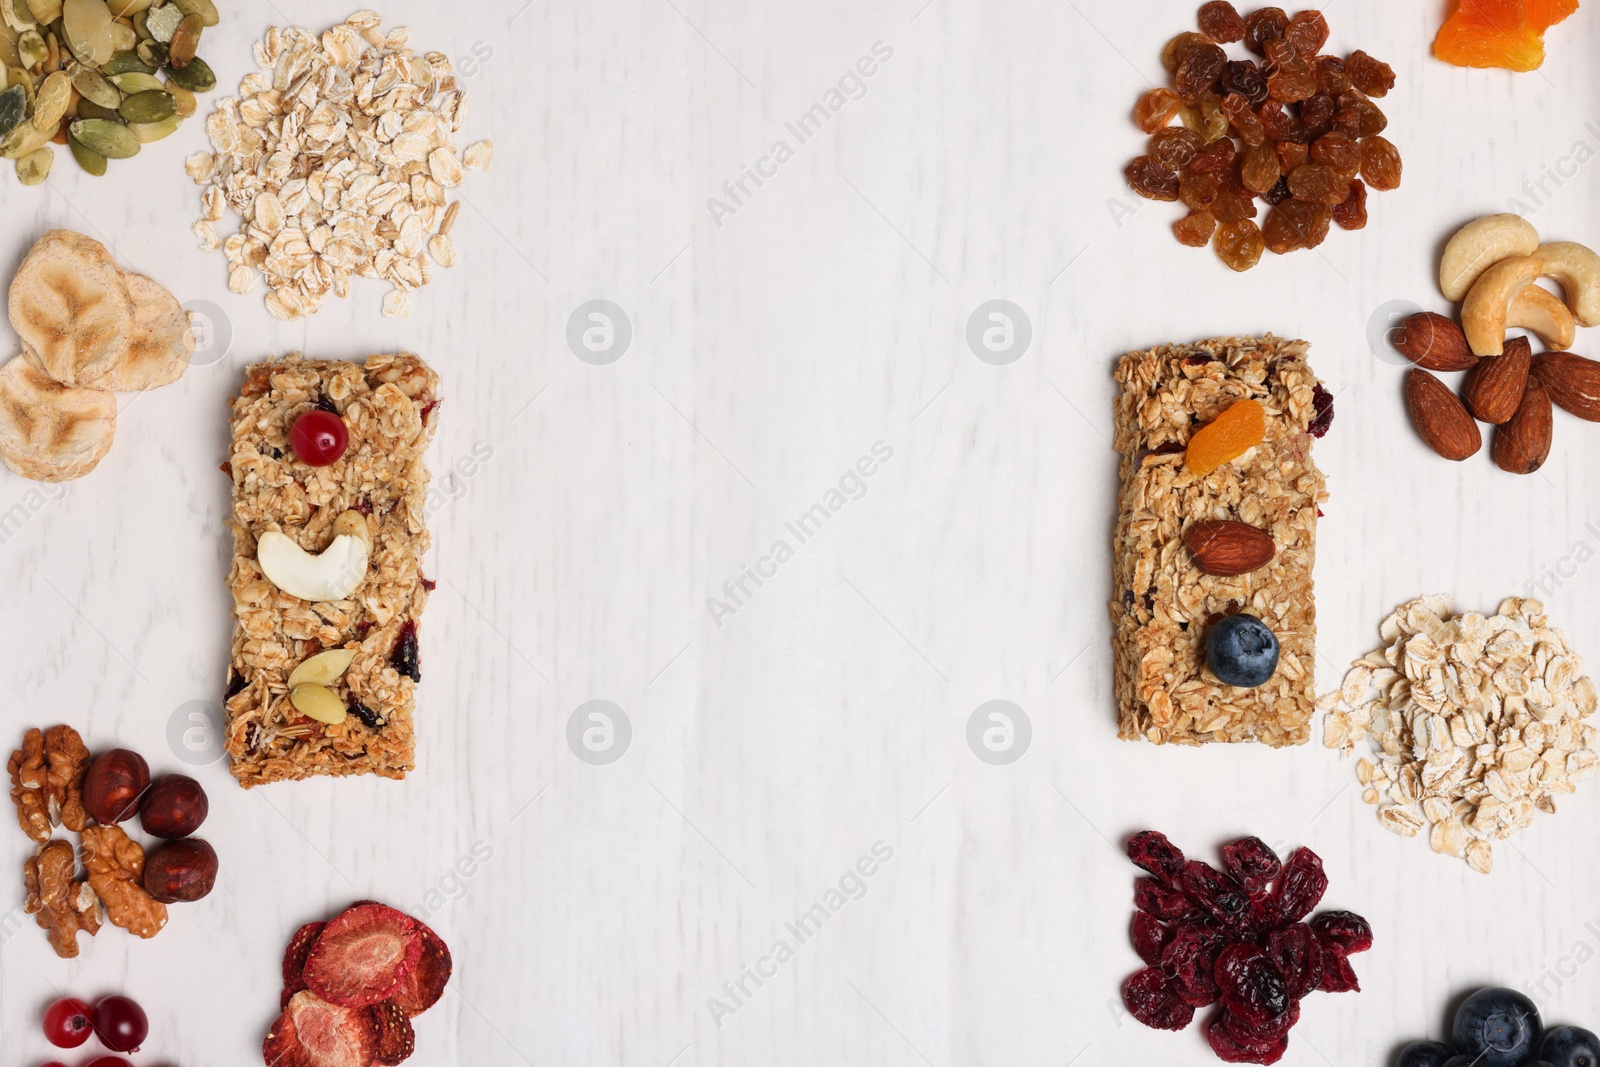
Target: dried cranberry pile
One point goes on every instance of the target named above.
(1237, 937)
(1307, 128)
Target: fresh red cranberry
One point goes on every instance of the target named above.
(66, 1023)
(121, 1026)
(319, 437)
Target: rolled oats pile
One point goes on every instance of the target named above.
(336, 158)
(1475, 723)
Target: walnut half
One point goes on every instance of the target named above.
(47, 781)
(116, 868)
(60, 904)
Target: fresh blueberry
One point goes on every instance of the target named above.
(1459, 1061)
(1498, 1027)
(1241, 650)
(1571, 1046)
(1425, 1054)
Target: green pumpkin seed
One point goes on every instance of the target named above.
(185, 41)
(152, 54)
(135, 82)
(204, 8)
(155, 131)
(32, 50)
(96, 87)
(50, 102)
(187, 104)
(34, 168)
(88, 109)
(106, 137)
(13, 105)
(151, 106)
(196, 77)
(127, 62)
(91, 162)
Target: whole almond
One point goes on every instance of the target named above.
(1572, 382)
(1434, 342)
(1440, 417)
(1227, 548)
(1494, 388)
(1522, 444)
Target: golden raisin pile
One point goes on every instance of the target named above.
(1307, 134)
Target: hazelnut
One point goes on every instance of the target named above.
(181, 871)
(174, 807)
(114, 784)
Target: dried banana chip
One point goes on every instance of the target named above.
(71, 308)
(159, 345)
(48, 431)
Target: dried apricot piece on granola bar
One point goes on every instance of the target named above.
(1227, 437)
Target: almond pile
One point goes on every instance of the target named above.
(1491, 265)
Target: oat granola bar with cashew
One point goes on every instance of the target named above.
(1163, 603)
(375, 493)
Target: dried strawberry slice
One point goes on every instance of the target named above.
(1298, 956)
(1153, 1001)
(1162, 901)
(363, 955)
(313, 1033)
(393, 1039)
(1337, 974)
(294, 959)
(1344, 930)
(1300, 886)
(1150, 936)
(1151, 850)
(1230, 1050)
(1252, 863)
(1218, 894)
(1251, 984)
(422, 988)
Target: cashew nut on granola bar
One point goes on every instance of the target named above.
(1479, 245)
(333, 574)
(115, 864)
(1483, 313)
(1542, 311)
(60, 904)
(1578, 271)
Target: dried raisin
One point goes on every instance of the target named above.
(1367, 118)
(1173, 148)
(1352, 213)
(1283, 55)
(1275, 117)
(1238, 244)
(1173, 51)
(1291, 86)
(1156, 109)
(1197, 190)
(1151, 180)
(1318, 184)
(1206, 118)
(1291, 154)
(1199, 70)
(1316, 114)
(1221, 21)
(1284, 231)
(1195, 228)
(1278, 193)
(1245, 78)
(1243, 119)
(1152, 1000)
(1230, 206)
(1338, 151)
(1371, 76)
(1322, 412)
(1331, 76)
(1263, 25)
(1260, 169)
(1214, 158)
(1380, 163)
(1308, 32)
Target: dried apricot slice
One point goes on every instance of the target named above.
(1542, 14)
(1227, 437)
(1490, 33)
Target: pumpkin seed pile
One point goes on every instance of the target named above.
(102, 77)
(336, 157)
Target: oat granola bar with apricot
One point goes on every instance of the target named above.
(388, 407)
(1163, 603)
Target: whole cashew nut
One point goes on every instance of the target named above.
(1542, 311)
(1483, 313)
(1479, 245)
(1578, 271)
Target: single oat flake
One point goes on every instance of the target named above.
(1475, 723)
(335, 158)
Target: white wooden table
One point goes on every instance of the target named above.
(592, 504)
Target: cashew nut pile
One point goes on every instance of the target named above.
(1490, 265)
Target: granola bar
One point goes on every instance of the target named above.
(388, 405)
(1163, 604)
